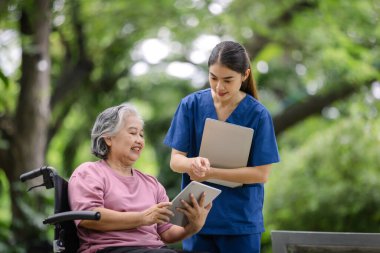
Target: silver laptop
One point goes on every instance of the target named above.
(226, 145)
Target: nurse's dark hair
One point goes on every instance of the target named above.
(235, 57)
(108, 124)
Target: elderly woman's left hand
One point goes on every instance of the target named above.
(196, 213)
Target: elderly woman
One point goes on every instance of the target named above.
(133, 205)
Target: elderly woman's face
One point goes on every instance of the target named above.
(127, 144)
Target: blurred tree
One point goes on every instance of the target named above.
(27, 133)
(339, 187)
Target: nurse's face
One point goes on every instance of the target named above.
(224, 82)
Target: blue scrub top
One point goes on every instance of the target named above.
(235, 210)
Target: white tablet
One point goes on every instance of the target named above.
(197, 189)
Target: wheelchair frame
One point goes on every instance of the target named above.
(63, 218)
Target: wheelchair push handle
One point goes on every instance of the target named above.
(47, 173)
(31, 174)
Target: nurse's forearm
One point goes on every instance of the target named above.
(180, 163)
(247, 175)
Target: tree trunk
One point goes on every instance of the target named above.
(28, 142)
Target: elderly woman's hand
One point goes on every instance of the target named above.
(158, 213)
(196, 213)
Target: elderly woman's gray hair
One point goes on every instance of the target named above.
(107, 124)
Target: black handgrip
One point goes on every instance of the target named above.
(72, 215)
(31, 174)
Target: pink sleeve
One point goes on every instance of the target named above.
(85, 190)
(162, 197)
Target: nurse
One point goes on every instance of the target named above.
(235, 223)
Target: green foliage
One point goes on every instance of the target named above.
(33, 213)
(9, 91)
(327, 180)
(4, 210)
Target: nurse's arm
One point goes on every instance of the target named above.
(179, 162)
(245, 175)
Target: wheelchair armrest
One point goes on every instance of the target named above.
(72, 215)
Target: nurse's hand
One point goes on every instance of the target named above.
(200, 166)
(195, 177)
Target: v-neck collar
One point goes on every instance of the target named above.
(212, 109)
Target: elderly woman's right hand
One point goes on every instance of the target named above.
(158, 213)
(196, 213)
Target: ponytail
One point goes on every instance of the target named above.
(249, 86)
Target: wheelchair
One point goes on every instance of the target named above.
(65, 232)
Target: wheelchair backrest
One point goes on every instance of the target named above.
(66, 230)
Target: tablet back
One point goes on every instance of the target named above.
(197, 189)
(226, 145)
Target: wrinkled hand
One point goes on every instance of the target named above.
(200, 167)
(158, 213)
(195, 212)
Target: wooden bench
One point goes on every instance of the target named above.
(324, 242)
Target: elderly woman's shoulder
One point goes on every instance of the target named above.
(89, 168)
(146, 176)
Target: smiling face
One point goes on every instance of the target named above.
(224, 82)
(126, 146)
